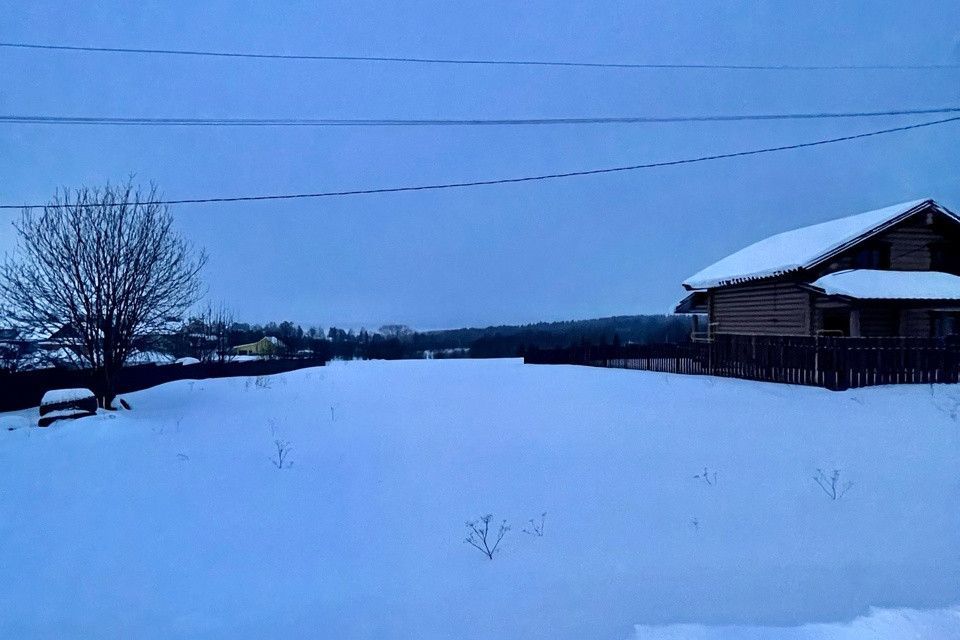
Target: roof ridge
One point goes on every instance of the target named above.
(804, 247)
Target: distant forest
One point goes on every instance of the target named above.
(393, 342)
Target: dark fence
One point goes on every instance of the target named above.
(831, 362)
(24, 389)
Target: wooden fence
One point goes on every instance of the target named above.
(831, 362)
(24, 389)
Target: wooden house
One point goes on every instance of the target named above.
(890, 272)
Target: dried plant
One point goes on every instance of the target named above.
(283, 450)
(480, 537)
(832, 485)
(706, 476)
(535, 527)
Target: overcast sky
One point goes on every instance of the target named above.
(575, 248)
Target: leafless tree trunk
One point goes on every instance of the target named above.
(212, 344)
(104, 268)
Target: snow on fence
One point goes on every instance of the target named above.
(25, 389)
(832, 362)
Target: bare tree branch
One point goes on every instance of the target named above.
(104, 270)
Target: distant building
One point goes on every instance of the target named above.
(890, 272)
(266, 346)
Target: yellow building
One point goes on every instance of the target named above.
(266, 346)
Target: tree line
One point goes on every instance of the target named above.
(212, 335)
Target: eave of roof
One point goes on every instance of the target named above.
(694, 302)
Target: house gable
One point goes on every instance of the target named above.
(807, 248)
(927, 240)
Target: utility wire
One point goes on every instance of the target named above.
(549, 176)
(446, 122)
(488, 62)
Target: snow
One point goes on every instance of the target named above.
(879, 624)
(9, 422)
(795, 249)
(55, 396)
(187, 361)
(150, 357)
(170, 520)
(45, 358)
(244, 358)
(65, 413)
(871, 284)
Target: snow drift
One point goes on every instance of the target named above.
(879, 624)
(171, 521)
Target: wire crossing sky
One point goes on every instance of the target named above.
(359, 122)
(427, 164)
(486, 62)
(499, 181)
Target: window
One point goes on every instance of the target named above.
(944, 257)
(946, 324)
(873, 256)
(835, 323)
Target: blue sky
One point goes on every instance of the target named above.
(583, 247)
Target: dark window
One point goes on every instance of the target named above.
(944, 257)
(836, 323)
(946, 324)
(873, 256)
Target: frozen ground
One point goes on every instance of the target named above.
(171, 521)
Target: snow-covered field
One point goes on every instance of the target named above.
(171, 521)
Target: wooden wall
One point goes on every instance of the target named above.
(879, 322)
(915, 323)
(781, 309)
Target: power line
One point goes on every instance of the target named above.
(447, 122)
(487, 62)
(549, 176)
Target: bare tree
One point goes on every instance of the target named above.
(208, 334)
(104, 268)
(13, 350)
(481, 538)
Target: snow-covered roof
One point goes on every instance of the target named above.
(148, 357)
(871, 284)
(800, 248)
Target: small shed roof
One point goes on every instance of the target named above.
(871, 284)
(802, 248)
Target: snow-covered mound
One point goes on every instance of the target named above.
(57, 396)
(879, 624)
(668, 499)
